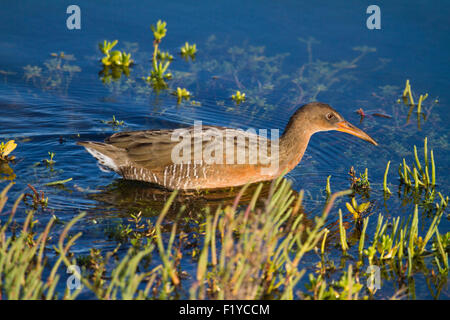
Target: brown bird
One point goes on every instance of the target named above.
(215, 157)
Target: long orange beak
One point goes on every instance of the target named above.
(347, 127)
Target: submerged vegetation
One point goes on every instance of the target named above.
(57, 74)
(249, 69)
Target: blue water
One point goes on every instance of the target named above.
(413, 43)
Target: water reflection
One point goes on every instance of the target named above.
(134, 196)
(6, 172)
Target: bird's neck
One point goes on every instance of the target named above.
(294, 141)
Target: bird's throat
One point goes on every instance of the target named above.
(293, 143)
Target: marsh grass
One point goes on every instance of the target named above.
(239, 251)
(22, 259)
(247, 253)
(418, 182)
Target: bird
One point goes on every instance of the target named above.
(210, 157)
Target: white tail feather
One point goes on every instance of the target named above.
(104, 161)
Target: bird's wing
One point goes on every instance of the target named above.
(156, 149)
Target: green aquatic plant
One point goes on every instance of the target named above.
(25, 272)
(105, 48)
(158, 75)
(164, 56)
(258, 263)
(181, 94)
(397, 132)
(140, 234)
(189, 51)
(408, 99)
(360, 185)
(421, 99)
(362, 237)
(324, 241)
(348, 287)
(407, 93)
(126, 59)
(114, 58)
(249, 69)
(115, 63)
(58, 182)
(404, 242)
(421, 174)
(6, 149)
(328, 187)
(161, 61)
(214, 266)
(238, 252)
(238, 97)
(441, 244)
(356, 209)
(114, 122)
(402, 245)
(159, 31)
(386, 190)
(342, 234)
(49, 161)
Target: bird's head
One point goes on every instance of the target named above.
(322, 117)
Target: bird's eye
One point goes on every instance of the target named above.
(330, 116)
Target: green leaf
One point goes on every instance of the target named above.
(363, 207)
